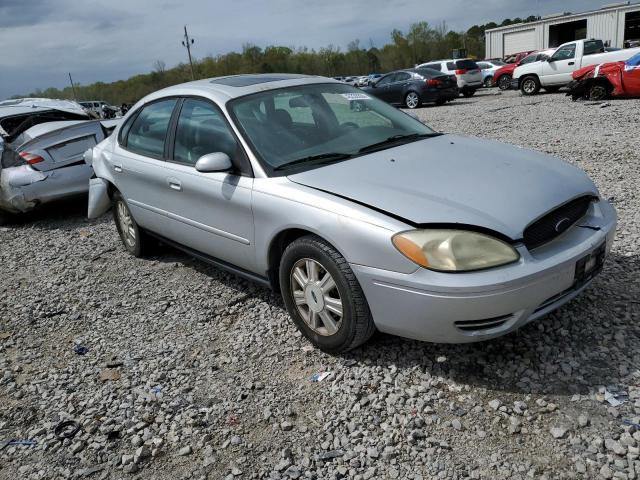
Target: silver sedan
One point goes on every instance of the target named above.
(361, 216)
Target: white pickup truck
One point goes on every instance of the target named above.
(555, 72)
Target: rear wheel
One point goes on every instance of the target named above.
(530, 86)
(412, 100)
(133, 237)
(504, 82)
(323, 296)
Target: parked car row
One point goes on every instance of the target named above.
(557, 70)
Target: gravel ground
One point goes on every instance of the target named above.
(193, 373)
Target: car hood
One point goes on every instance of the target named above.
(455, 180)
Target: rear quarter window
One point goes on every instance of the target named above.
(592, 47)
(467, 64)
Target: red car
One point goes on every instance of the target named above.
(615, 79)
(502, 76)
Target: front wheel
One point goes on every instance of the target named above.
(530, 86)
(504, 82)
(412, 100)
(488, 82)
(598, 92)
(133, 237)
(323, 296)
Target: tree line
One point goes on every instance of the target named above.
(421, 43)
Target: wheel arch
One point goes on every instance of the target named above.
(280, 242)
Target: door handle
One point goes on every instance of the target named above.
(572, 63)
(174, 184)
(117, 167)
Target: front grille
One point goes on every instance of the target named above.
(556, 222)
(480, 325)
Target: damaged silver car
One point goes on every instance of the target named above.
(41, 146)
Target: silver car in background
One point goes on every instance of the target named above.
(42, 143)
(361, 216)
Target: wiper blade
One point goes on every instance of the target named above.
(315, 159)
(396, 139)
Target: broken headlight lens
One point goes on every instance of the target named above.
(449, 250)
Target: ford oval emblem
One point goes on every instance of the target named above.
(562, 225)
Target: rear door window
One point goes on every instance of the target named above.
(451, 66)
(434, 66)
(148, 131)
(592, 47)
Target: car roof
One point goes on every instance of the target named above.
(223, 89)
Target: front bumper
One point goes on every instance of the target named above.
(469, 307)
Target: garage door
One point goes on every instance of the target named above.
(522, 41)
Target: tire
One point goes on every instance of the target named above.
(551, 89)
(468, 93)
(310, 257)
(134, 239)
(488, 82)
(504, 82)
(530, 85)
(412, 100)
(598, 92)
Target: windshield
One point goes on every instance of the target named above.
(299, 126)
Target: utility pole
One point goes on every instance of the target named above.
(187, 42)
(73, 88)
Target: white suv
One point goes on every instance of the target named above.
(466, 71)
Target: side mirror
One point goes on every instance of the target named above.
(550, 60)
(372, 83)
(214, 162)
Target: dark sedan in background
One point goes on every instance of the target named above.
(415, 87)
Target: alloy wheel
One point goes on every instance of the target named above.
(529, 86)
(126, 224)
(316, 296)
(412, 100)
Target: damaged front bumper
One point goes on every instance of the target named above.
(99, 201)
(14, 188)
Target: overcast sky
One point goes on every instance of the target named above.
(42, 40)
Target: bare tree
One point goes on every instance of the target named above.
(159, 67)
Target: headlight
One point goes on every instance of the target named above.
(454, 250)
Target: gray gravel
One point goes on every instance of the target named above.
(193, 373)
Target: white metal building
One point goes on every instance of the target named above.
(618, 25)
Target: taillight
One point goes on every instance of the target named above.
(31, 158)
(461, 71)
(434, 82)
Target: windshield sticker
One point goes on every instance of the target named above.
(356, 96)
